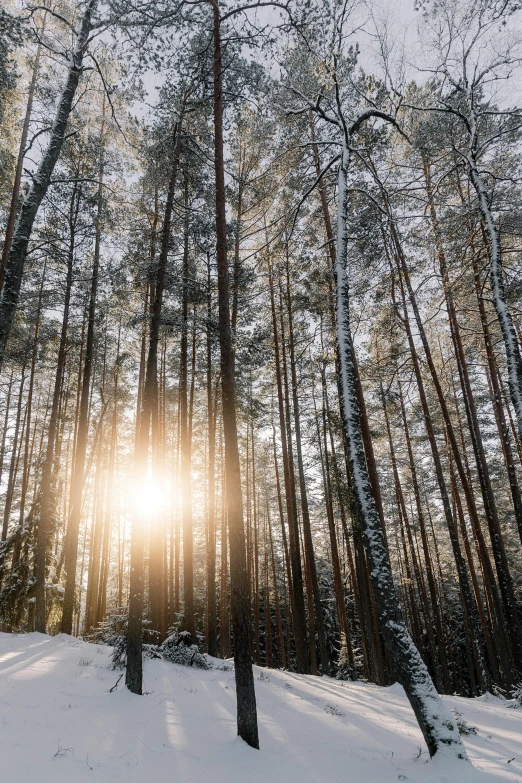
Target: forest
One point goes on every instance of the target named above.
(261, 340)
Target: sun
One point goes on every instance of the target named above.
(150, 497)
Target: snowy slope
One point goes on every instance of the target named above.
(59, 723)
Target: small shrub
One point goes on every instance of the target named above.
(113, 632)
(499, 692)
(516, 695)
(177, 648)
(223, 667)
(465, 730)
(344, 669)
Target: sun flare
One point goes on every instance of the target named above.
(150, 497)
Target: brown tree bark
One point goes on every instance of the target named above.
(134, 672)
(241, 621)
(307, 529)
(296, 575)
(185, 437)
(78, 478)
(211, 617)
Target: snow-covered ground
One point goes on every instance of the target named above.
(60, 723)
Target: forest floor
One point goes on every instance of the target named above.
(59, 722)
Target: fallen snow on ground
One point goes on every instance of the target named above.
(59, 723)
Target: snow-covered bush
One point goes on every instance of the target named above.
(113, 632)
(465, 730)
(178, 649)
(516, 694)
(344, 669)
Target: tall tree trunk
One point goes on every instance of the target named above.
(279, 625)
(107, 525)
(47, 469)
(134, 671)
(330, 240)
(436, 723)
(241, 621)
(211, 618)
(224, 615)
(26, 468)
(78, 478)
(93, 571)
(440, 657)
(185, 439)
(307, 529)
(344, 631)
(296, 575)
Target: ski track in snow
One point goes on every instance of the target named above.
(59, 723)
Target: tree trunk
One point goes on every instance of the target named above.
(241, 621)
(296, 575)
(440, 657)
(185, 441)
(307, 529)
(134, 671)
(436, 723)
(340, 602)
(211, 618)
(78, 478)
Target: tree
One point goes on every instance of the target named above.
(40, 182)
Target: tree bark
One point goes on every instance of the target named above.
(296, 574)
(134, 671)
(241, 621)
(47, 469)
(307, 529)
(78, 478)
(185, 440)
(437, 725)
(211, 618)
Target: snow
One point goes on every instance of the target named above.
(59, 723)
